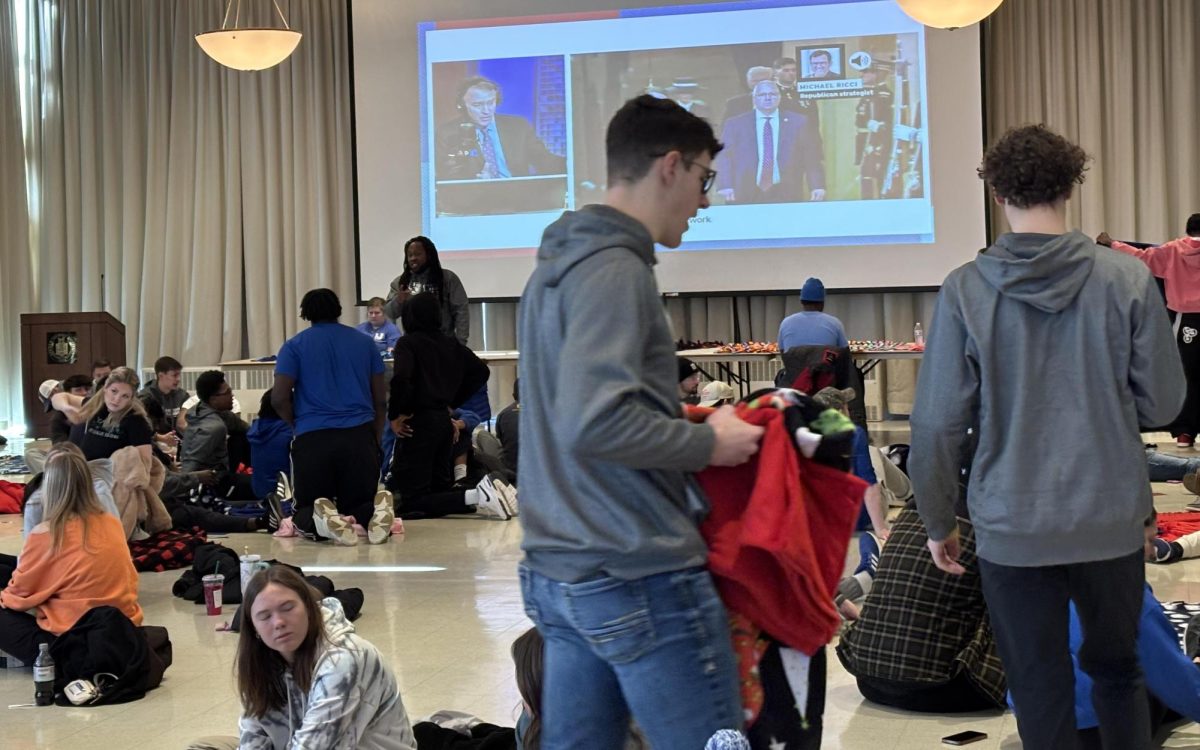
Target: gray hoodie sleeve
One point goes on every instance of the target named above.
(460, 307)
(946, 406)
(1155, 370)
(605, 410)
(391, 307)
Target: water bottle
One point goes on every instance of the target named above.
(919, 334)
(43, 677)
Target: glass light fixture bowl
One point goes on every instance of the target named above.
(249, 49)
(948, 14)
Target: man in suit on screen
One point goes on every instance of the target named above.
(481, 144)
(770, 154)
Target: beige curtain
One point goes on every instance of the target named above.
(1119, 78)
(195, 203)
(15, 257)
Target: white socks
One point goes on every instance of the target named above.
(460, 472)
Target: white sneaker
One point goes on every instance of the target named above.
(508, 496)
(490, 502)
(330, 525)
(379, 528)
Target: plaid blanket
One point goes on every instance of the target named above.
(167, 550)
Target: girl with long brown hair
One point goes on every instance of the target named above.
(74, 560)
(306, 679)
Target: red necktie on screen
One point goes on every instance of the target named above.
(489, 154)
(766, 178)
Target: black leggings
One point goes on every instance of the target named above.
(422, 477)
(1188, 340)
(19, 632)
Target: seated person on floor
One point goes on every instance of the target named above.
(689, 381)
(382, 331)
(464, 423)
(79, 387)
(101, 471)
(60, 426)
(717, 393)
(433, 374)
(72, 561)
(210, 425)
(111, 419)
(452, 730)
(305, 678)
(874, 512)
(270, 450)
(508, 430)
(165, 390)
(101, 368)
(922, 641)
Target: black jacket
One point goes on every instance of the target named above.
(433, 371)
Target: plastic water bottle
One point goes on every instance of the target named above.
(43, 677)
(919, 334)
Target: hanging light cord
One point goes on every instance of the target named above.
(238, 16)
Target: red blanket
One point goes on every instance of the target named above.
(11, 496)
(777, 536)
(1171, 526)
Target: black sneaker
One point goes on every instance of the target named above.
(274, 515)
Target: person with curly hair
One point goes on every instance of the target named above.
(1052, 354)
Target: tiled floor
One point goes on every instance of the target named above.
(447, 631)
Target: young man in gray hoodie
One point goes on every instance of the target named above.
(614, 573)
(1055, 354)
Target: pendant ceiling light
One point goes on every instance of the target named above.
(249, 49)
(948, 14)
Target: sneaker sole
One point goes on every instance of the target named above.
(336, 528)
(379, 528)
(507, 495)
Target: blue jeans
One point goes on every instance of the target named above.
(1165, 467)
(658, 648)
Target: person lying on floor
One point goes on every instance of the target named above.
(306, 679)
(72, 561)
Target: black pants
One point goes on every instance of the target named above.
(21, 636)
(957, 696)
(422, 477)
(185, 515)
(1029, 614)
(341, 465)
(1188, 339)
(430, 736)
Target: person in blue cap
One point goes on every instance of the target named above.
(812, 326)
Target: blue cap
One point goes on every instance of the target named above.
(812, 291)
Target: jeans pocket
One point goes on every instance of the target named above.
(613, 615)
(525, 575)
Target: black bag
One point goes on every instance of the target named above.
(105, 642)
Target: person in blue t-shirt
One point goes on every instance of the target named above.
(382, 331)
(329, 386)
(812, 326)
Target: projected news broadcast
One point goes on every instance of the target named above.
(821, 108)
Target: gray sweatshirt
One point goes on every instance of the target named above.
(605, 457)
(1057, 353)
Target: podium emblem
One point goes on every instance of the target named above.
(61, 347)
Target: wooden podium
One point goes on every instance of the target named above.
(58, 345)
